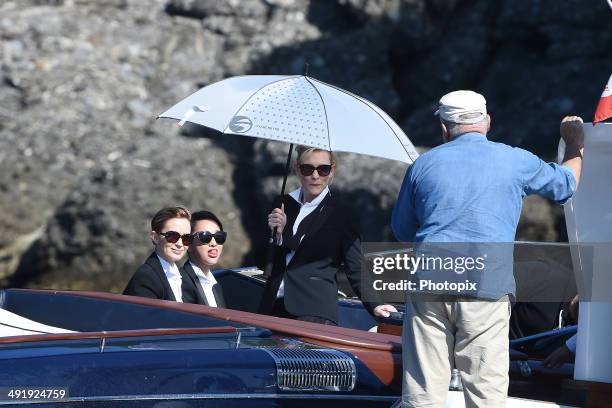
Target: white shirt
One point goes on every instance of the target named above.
(305, 210)
(207, 281)
(174, 278)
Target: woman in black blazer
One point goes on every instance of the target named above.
(316, 236)
(160, 277)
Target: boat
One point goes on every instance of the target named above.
(93, 348)
(102, 349)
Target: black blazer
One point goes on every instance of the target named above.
(330, 240)
(200, 297)
(150, 281)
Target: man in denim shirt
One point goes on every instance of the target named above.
(470, 190)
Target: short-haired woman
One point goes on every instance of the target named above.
(160, 277)
(316, 236)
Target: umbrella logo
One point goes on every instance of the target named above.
(240, 124)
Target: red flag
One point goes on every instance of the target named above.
(604, 107)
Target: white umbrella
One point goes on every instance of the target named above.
(295, 109)
(298, 110)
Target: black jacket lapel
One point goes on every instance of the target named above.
(218, 292)
(153, 262)
(311, 224)
(292, 209)
(201, 297)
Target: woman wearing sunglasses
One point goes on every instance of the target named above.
(160, 277)
(315, 237)
(204, 253)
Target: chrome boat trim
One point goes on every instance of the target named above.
(300, 369)
(176, 397)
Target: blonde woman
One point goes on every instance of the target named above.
(315, 236)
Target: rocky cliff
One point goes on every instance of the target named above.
(84, 164)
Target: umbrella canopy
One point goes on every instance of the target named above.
(295, 109)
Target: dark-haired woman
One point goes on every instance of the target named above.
(204, 253)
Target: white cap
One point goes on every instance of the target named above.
(462, 107)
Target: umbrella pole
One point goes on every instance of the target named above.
(272, 243)
(287, 168)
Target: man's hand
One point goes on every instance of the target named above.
(573, 308)
(573, 135)
(572, 132)
(570, 311)
(558, 357)
(383, 310)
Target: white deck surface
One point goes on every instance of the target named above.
(15, 325)
(455, 400)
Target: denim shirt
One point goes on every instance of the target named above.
(471, 190)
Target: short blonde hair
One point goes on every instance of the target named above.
(302, 150)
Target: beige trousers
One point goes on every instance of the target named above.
(471, 336)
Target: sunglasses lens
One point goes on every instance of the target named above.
(220, 237)
(324, 170)
(307, 169)
(171, 236)
(187, 238)
(205, 237)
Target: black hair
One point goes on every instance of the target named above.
(205, 215)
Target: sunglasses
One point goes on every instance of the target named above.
(205, 237)
(308, 169)
(173, 236)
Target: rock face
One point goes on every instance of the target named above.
(84, 164)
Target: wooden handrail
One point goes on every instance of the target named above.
(341, 336)
(116, 334)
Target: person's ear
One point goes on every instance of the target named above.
(488, 122)
(154, 237)
(444, 132)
